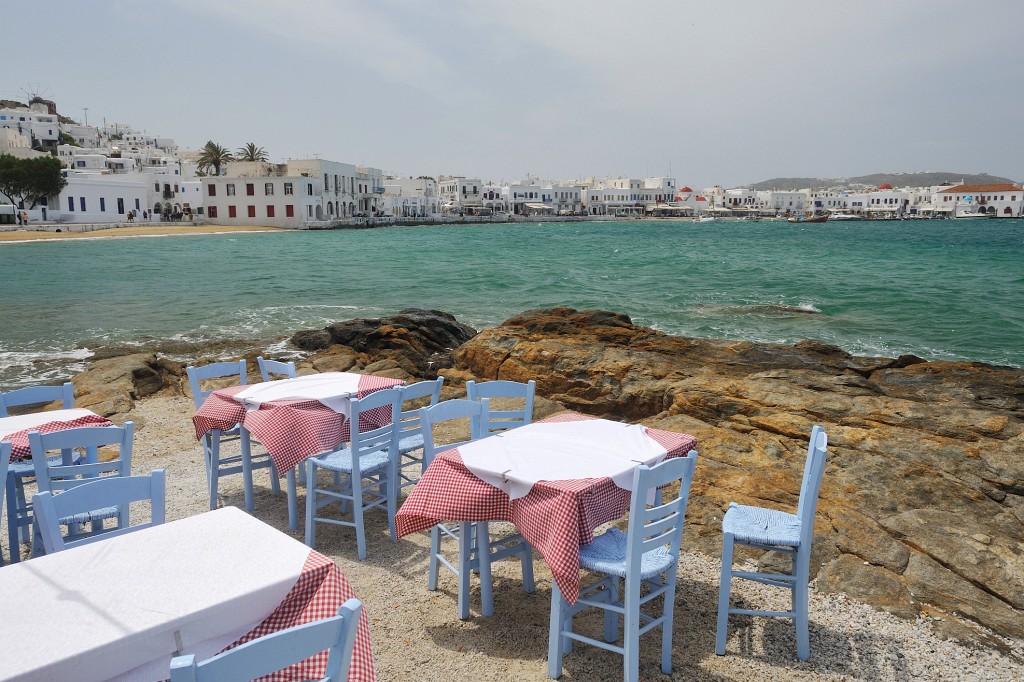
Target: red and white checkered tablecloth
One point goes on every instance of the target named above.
(20, 449)
(555, 517)
(319, 592)
(291, 430)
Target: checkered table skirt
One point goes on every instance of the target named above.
(291, 430)
(319, 592)
(555, 517)
(20, 449)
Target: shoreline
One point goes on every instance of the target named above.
(122, 231)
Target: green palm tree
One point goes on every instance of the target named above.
(250, 152)
(214, 156)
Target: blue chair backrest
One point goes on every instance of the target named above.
(67, 474)
(504, 419)
(275, 651)
(659, 524)
(814, 471)
(366, 437)
(410, 417)
(36, 395)
(268, 368)
(5, 463)
(450, 410)
(214, 370)
(109, 491)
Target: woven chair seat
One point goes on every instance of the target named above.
(85, 517)
(410, 443)
(762, 526)
(607, 554)
(341, 460)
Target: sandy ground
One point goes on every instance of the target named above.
(130, 230)
(417, 635)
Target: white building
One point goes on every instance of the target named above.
(459, 194)
(274, 200)
(94, 196)
(410, 197)
(997, 200)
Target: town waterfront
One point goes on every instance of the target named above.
(937, 289)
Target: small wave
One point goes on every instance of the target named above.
(761, 308)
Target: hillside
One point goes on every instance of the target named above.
(923, 179)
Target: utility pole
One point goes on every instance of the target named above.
(86, 110)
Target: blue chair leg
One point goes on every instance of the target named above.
(667, 620)
(465, 567)
(724, 586)
(12, 518)
(802, 566)
(526, 562)
(357, 516)
(631, 630)
(24, 533)
(483, 556)
(310, 501)
(247, 468)
(611, 619)
(556, 640)
(293, 501)
(275, 478)
(435, 549)
(213, 461)
(392, 492)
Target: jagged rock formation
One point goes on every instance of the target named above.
(923, 499)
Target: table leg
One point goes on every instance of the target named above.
(293, 511)
(246, 466)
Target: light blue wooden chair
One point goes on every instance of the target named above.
(5, 461)
(218, 465)
(278, 650)
(58, 476)
(775, 531)
(410, 435)
(79, 505)
(646, 556)
(19, 514)
(275, 369)
(477, 551)
(504, 419)
(365, 473)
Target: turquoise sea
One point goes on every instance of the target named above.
(938, 289)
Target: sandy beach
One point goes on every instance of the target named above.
(418, 636)
(129, 230)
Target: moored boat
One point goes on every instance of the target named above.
(801, 218)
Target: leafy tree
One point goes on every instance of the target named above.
(214, 156)
(250, 152)
(67, 139)
(30, 180)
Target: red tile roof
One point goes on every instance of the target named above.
(960, 189)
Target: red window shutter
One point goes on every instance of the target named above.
(252, 211)
(270, 211)
(212, 191)
(232, 211)
(289, 211)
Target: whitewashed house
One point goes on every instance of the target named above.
(995, 200)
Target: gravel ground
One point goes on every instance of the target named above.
(417, 635)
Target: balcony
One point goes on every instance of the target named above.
(378, 190)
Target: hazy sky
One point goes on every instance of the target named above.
(717, 92)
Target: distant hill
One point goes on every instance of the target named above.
(925, 179)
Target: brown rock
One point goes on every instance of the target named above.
(868, 583)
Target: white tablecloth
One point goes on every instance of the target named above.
(9, 425)
(125, 604)
(554, 451)
(333, 389)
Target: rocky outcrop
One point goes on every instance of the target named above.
(111, 386)
(412, 343)
(923, 499)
